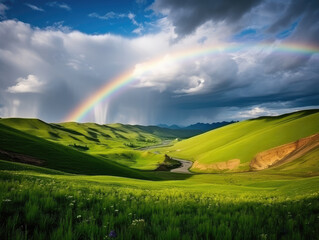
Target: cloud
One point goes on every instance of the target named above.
(60, 5)
(59, 26)
(139, 28)
(187, 16)
(35, 8)
(187, 76)
(131, 16)
(196, 85)
(113, 15)
(30, 84)
(109, 15)
(68, 67)
(255, 112)
(3, 9)
(305, 14)
(293, 11)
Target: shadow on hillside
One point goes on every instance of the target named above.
(165, 175)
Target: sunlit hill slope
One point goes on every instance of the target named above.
(234, 147)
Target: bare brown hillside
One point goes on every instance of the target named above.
(284, 153)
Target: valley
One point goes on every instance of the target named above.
(255, 179)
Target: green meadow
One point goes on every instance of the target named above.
(39, 204)
(89, 181)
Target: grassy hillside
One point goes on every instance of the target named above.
(97, 137)
(243, 140)
(113, 142)
(56, 156)
(38, 204)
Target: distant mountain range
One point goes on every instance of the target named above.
(198, 126)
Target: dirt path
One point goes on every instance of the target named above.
(184, 167)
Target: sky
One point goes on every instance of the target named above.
(54, 55)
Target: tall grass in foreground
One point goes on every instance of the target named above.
(35, 207)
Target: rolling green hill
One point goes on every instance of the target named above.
(97, 136)
(233, 147)
(112, 142)
(23, 147)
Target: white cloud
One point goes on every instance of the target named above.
(106, 16)
(35, 8)
(60, 5)
(138, 30)
(59, 26)
(196, 85)
(3, 9)
(255, 112)
(113, 15)
(30, 84)
(131, 16)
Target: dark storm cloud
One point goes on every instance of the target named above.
(306, 10)
(274, 62)
(187, 15)
(305, 14)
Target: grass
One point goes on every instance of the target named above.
(40, 205)
(243, 140)
(142, 160)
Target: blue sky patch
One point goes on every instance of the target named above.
(122, 17)
(248, 34)
(287, 32)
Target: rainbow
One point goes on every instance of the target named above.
(124, 79)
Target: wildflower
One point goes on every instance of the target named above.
(137, 221)
(6, 200)
(263, 236)
(113, 234)
(78, 216)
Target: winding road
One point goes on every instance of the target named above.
(184, 167)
